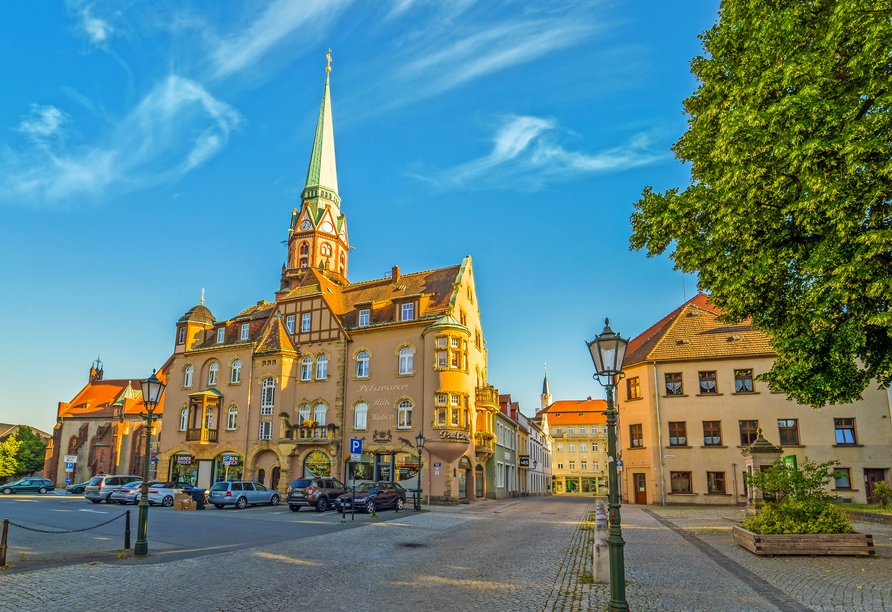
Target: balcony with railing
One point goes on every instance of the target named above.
(317, 434)
(205, 436)
(484, 444)
(488, 397)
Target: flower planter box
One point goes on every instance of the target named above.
(848, 544)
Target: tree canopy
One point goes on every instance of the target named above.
(31, 452)
(788, 216)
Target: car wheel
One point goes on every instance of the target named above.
(218, 506)
(241, 503)
(81, 491)
(108, 498)
(7, 491)
(370, 507)
(295, 508)
(42, 490)
(321, 504)
(399, 503)
(167, 502)
(274, 500)
(95, 501)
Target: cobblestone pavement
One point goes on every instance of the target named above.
(513, 555)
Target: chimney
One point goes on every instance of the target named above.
(395, 274)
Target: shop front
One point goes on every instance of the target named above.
(399, 466)
(183, 468)
(228, 466)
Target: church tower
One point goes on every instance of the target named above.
(546, 391)
(317, 237)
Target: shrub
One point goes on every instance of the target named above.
(798, 516)
(882, 494)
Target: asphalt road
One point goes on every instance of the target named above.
(171, 534)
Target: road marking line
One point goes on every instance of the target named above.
(186, 550)
(93, 511)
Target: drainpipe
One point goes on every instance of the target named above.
(660, 437)
(248, 416)
(736, 499)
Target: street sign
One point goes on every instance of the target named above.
(790, 462)
(355, 446)
(619, 463)
(226, 459)
(67, 481)
(436, 464)
(354, 457)
(69, 466)
(70, 458)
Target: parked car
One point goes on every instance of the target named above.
(318, 492)
(29, 484)
(372, 496)
(162, 493)
(102, 486)
(241, 493)
(130, 493)
(77, 488)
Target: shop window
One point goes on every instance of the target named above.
(317, 463)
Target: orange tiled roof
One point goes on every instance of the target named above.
(98, 398)
(693, 331)
(576, 412)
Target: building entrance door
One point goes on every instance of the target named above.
(463, 484)
(205, 470)
(872, 477)
(478, 483)
(640, 489)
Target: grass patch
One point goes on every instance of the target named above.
(586, 577)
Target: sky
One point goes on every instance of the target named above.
(152, 150)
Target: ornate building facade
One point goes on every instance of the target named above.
(277, 391)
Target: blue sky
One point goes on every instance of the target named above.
(150, 149)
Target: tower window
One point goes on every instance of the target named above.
(326, 250)
(181, 336)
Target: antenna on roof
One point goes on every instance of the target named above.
(202, 296)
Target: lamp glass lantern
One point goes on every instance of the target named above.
(419, 441)
(151, 388)
(608, 351)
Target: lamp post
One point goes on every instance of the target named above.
(533, 476)
(419, 444)
(152, 388)
(608, 351)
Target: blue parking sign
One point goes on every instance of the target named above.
(355, 446)
(67, 481)
(69, 466)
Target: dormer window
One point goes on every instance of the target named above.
(181, 336)
(364, 316)
(289, 323)
(407, 312)
(221, 335)
(245, 330)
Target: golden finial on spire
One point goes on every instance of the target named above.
(328, 57)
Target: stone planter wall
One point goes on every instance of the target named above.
(849, 544)
(869, 517)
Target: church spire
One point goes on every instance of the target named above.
(322, 175)
(546, 390)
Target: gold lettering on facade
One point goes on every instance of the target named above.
(457, 436)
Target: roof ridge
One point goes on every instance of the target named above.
(402, 275)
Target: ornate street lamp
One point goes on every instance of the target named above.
(152, 388)
(608, 351)
(419, 444)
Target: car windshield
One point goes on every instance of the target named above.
(367, 487)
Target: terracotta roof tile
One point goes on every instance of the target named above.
(576, 412)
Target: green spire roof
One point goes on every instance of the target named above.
(322, 176)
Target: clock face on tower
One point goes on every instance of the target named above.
(327, 228)
(305, 225)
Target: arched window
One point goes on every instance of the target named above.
(362, 365)
(319, 414)
(361, 416)
(303, 413)
(184, 419)
(236, 375)
(304, 263)
(322, 367)
(209, 418)
(326, 250)
(232, 418)
(406, 359)
(187, 377)
(343, 263)
(306, 368)
(304, 248)
(212, 374)
(404, 415)
(267, 395)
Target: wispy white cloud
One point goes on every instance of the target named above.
(146, 147)
(525, 153)
(98, 30)
(278, 21)
(42, 122)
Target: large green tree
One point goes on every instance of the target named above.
(31, 452)
(788, 216)
(9, 448)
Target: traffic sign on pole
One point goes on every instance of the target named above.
(355, 446)
(69, 467)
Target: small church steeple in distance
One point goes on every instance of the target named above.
(317, 236)
(546, 390)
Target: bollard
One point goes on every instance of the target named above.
(3, 543)
(127, 531)
(601, 561)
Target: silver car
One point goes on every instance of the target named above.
(162, 493)
(101, 486)
(241, 493)
(130, 493)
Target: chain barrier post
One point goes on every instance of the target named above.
(127, 531)
(3, 542)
